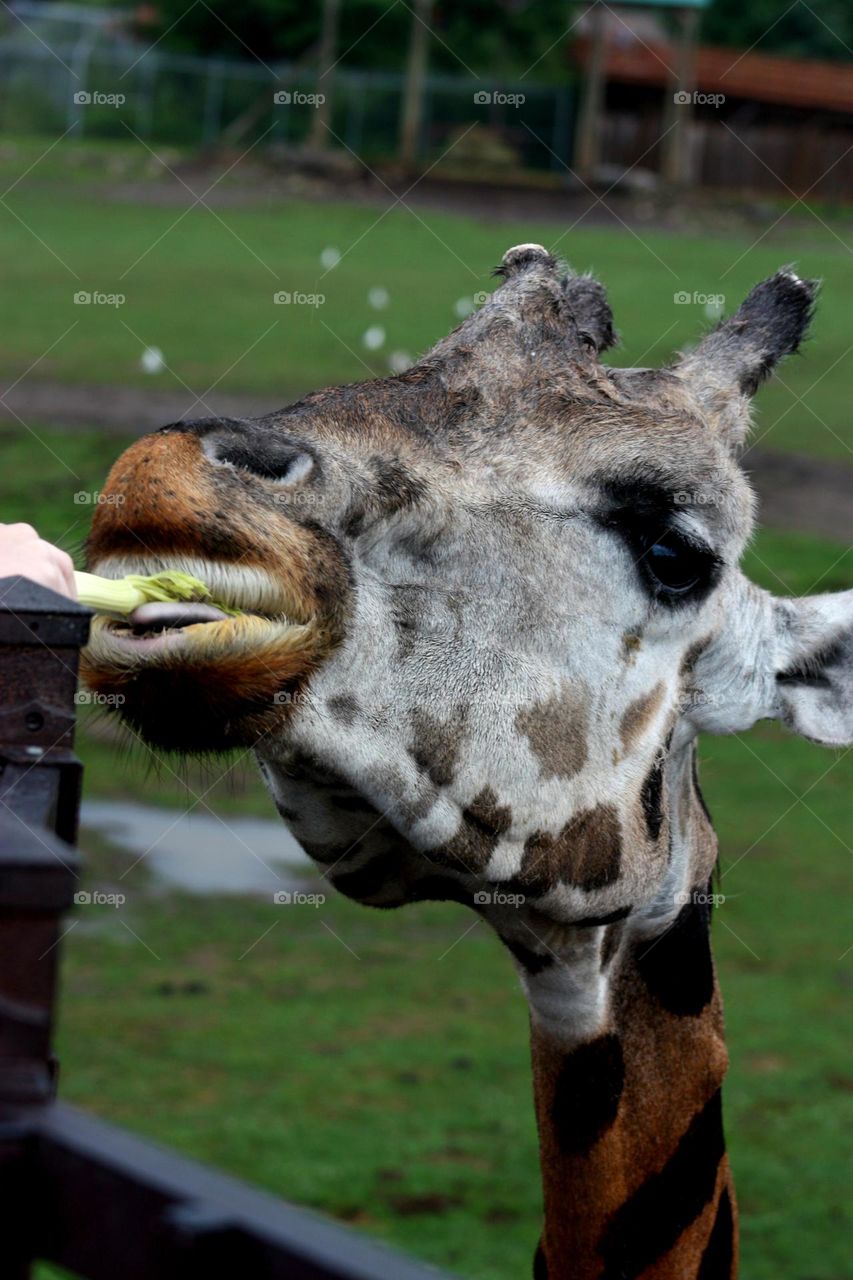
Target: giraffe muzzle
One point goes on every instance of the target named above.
(206, 677)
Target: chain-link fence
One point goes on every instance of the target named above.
(87, 75)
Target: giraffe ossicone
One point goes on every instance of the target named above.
(489, 603)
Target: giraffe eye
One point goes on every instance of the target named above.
(675, 566)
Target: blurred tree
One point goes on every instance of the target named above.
(263, 29)
(416, 70)
(823, 30)
(501, 38)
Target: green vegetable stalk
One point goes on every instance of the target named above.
(122, 595)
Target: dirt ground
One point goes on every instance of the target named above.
(556, 198)
(810, 495)
(230, 179)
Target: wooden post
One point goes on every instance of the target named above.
(678, 107)
(413, 92)
(591, 116)
(40, 635)
(319, 135)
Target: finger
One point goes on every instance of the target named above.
(66, 569)
(63, 568)
(21, 532)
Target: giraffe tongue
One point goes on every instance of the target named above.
(157, 616)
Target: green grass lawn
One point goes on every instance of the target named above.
(199, 285)
(374, 1065)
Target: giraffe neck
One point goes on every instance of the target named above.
(636, 1178)
(635, 1173)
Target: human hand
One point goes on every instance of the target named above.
(23, 553)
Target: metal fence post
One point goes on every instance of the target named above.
(78, 76)
(146, 94)
(214, 87)
(561, 133)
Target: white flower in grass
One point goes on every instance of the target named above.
(378, 298)
(399, 361)
(373, 338)
(152, 361)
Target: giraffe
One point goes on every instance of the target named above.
(488, 606)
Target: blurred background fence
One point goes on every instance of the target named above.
(67, 67)
(762, 122)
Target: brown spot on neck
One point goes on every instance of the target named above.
(650, 1195)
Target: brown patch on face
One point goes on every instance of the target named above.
(484, 821)
(586, 854)
(436, 746)
(557, 731)
(159, 496)
(639, 715)
(345, 708)
(692, 656)
(631, 644)
(685, 801)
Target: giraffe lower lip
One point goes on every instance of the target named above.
(148, 636)
(157, 616)
(206, 686)
(135, 642)
(157, 628)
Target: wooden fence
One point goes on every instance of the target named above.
(783, 160)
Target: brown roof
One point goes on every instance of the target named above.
(759, 77)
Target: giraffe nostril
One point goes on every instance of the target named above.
(282, 461)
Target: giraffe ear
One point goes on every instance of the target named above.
(788, 659)
(585, 299)
(814, 676)
(591, 311)
(729, 365)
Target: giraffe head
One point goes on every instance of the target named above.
(488, 604)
